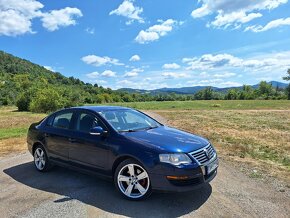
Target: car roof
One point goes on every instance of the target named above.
(102, 108)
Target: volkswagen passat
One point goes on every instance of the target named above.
(137, 152)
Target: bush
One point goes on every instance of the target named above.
(23, 102)
(46, 101)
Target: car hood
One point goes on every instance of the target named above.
(167, 139)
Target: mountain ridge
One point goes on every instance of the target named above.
(195, 89)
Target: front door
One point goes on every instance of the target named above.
(86, 149)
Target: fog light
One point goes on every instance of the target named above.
(177, 177)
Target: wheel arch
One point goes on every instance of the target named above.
(122, 158)
(35, 145)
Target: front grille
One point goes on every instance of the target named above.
(204, 155)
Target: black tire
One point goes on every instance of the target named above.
(44, 166)
(137, 166)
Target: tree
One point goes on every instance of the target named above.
(45, 101)
(287, 78)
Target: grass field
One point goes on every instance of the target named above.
(209, 105)
(255, 131)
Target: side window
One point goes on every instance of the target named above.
(62, 120)
(49, 121)
(86, 122)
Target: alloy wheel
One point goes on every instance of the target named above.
(133, 181)
(39, 159)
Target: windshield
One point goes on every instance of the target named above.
(129, 120)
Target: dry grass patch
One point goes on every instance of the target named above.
(12, 145)
(262, 136)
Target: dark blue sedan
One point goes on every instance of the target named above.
(137, 152)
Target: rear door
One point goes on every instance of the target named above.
(58, 135)
(86, 149)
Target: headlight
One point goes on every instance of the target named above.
(175, 159)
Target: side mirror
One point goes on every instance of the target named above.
(97, 131)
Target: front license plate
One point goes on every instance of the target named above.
(212, 166)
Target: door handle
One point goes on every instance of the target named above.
(72, 140)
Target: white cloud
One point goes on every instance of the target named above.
(90, 30)
(224, 75)
(271, 25)
(133, 73)
(209, 61)
(60, 18)
(17, 15)
(93, 75)
(108, 73)
(99, 61)
(127, 9)
(234, 13)
(154, 32)
(135, 58)
(49, 68)
(172, 66)
(174, 75)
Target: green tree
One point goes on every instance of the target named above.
(287, 78)
(45, 101)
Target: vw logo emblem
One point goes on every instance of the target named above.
(206, 153)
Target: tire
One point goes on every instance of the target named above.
(127, 182)
(41, 161)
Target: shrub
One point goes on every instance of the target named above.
(46, 101)
(23, 102)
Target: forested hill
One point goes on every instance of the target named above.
(32, 87)
(25, 82)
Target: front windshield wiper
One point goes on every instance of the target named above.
(135, 130)
(129, 130)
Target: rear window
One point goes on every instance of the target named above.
(62, 120)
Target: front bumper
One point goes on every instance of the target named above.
(195, 179)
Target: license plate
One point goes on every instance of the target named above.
(212, 166)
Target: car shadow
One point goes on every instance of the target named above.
(102, 194)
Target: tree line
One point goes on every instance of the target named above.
(33, 88)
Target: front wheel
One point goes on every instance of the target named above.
(132, 180)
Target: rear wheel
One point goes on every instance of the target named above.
(132, 180)
(41, 161)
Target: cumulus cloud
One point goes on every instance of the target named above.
(133, 73)
(174, 75)
(223, 66)
(99, 61)
(135, 58)
(271, 25)
(154, 32)
(209, 61)
(55, 19)
(106, 73)
(234, 13)
(17, 15)
(172, 66)
(127, 9)
(93, 75)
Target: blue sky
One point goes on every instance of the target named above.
(152, 44)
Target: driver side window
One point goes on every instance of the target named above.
(86, 122)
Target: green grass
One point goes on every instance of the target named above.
(13, 132)
(15, 124)
(210, 105)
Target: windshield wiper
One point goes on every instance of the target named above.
(129, 130)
